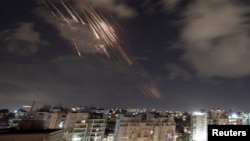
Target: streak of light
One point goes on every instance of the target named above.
(69, 11)
(103, 49)
(104, 31)
(77, 49)
(151, 90)
(145, 83)
(69, 25)
(47, 6)
(99, 25)
(77, 15)
(58, 11)
(93, 28)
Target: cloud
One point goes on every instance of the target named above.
(216, 38)
(23, 40)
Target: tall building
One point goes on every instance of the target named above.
(246, 119)
(199, 126)
(75, 126)
(80, 130)
(78, 126)
(84, 127)
(217, 117)
(95, 130)
(134, 129)
(235, 118)
(221, 117)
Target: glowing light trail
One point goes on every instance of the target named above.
(77, 49)
(107, 41)
(69, 11)
(102, 30)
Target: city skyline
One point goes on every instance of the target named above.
(110, 53)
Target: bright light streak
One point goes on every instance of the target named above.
(99, 25)
(69, 11)
(103, 49)
(47, 6)
(151, 90)
(105, 36)
(104, 31)
(77, 49)
(77, 15)
(69, 22)
(58, 11)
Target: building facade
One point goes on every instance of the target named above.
(199, 126)
(134, 129)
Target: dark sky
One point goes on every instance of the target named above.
(183, 55)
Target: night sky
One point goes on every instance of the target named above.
(186, 55)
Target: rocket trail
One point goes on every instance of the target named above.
(105, 36)
(99, 25)
(52, 7)
(104, 31)
(77, 49)
(77, 15)
(58, 11)
(69, 11)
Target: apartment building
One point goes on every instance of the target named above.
(134, 129)
(199, 126)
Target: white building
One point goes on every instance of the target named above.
(96, 129)
(133, 129)
(75, 126)
(235, 119)
(79, 131)
(199, 126)
(246, 119)
(79, 127)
